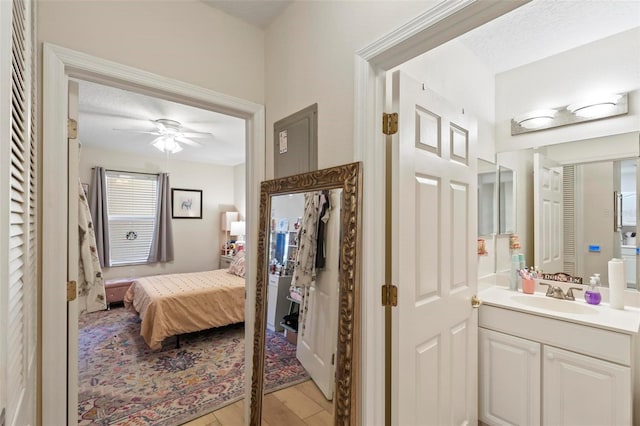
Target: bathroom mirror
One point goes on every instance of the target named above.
(487, 198)
(284, 237)
(599, 209)
(506, 200)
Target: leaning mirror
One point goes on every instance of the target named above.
(308, 295)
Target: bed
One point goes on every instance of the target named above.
(170, 305)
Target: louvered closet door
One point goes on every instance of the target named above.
(18, 255)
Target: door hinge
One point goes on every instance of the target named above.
(72, 290)
(333, 359)
(390, 123)
(389, 295)
(72, 128)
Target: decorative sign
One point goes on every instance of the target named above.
(562, 277)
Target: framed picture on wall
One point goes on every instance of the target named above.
(186, 203)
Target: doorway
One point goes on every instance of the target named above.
(61, 64)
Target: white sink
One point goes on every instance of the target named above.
(556, 305)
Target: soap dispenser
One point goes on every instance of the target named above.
(592, 295)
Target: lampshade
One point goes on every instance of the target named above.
(226, 219)
(237, 229)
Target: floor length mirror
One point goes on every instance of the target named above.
(307, 299)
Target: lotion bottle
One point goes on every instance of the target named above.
(592, 295)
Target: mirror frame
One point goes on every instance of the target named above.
(347, 177)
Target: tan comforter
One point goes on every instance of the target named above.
(182, 303)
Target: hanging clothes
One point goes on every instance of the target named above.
(304, 272)
(91, 291)
(323, 217)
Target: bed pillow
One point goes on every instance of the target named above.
(237, 265)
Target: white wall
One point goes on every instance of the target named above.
(185, 40)
(310, 53)
(610, 65)
(196, 241)
(239, 189)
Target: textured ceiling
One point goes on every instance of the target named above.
(258, 13)
(104, 109)
(544, 28)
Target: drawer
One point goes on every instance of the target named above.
(605, 344)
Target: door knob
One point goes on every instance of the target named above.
(475, 302)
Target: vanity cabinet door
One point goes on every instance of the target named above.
(581, 390)
(509, 376)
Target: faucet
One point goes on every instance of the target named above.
(557, 293)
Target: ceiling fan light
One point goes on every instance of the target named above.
(167, 144)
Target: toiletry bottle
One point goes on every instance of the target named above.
(514, 276)
(592, 295)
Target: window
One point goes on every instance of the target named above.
(132, 201)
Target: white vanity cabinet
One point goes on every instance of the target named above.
(509, 377)
(540, 370)
(277, 303)
(583, 390)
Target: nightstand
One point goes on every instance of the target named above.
(225, 261)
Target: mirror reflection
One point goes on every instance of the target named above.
(597, 215)
(307, 299)
(302, 296)
(487, 196)
(506, 200)
(496, 216)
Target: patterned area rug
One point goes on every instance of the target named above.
(123, 382)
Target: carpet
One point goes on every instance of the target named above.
(123, 382)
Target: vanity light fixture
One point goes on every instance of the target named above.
(537, 119)
(593, 108)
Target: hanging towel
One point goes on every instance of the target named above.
(91, 291)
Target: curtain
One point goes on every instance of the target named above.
(100, 214)
(91, 291)
(162, 243)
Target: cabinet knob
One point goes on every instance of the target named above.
(550, 356)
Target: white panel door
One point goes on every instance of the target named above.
(509, 379)
(547, 213)
(318, 333)
(585, 391)
(434, 349)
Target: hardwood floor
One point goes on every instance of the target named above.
(302, 404)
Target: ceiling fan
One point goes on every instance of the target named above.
(170, 135)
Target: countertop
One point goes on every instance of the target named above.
(601, 316)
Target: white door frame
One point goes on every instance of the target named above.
(59, 64)
(445, 21)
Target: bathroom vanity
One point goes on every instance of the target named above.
(555, 362)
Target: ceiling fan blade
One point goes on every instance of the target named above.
(137, 131)
(186, 141)
(197, 134)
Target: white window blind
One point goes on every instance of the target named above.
(132, 200)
